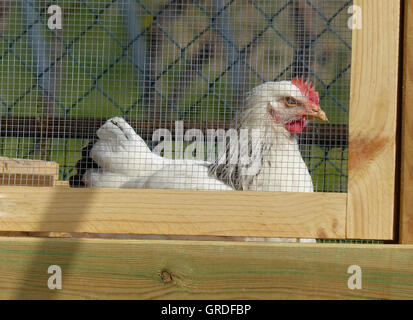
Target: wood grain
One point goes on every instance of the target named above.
(154, 269)
(174, 212)
(406, 199)
(373, 117)
(28, 172)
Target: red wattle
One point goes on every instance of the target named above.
(293, 127)
(296, 126)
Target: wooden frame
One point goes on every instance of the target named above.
(366, 212)
(406, 190)
(373, 122)
(171, 269)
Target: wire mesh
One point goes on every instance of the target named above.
(154, 63)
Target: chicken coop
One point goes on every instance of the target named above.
(206, 149)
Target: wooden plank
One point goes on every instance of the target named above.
(155, 269)
(63, 184)
(174, 212)
(373, 115)
(406, 195)
(28, 166)
(28, 172)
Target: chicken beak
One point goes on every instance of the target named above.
(321, 115)
(317, 113)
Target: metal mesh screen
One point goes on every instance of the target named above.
(184, 66)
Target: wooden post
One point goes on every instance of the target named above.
(373, 121)
(406, 201)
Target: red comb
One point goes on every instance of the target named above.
(306, 89)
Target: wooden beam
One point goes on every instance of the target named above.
(156, 269)
(406, 200)
(373, 121)
(24, 172)
(173, 212)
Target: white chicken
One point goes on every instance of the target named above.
(277, 111)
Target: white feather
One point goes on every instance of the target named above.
(126, 161)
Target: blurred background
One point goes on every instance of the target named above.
(155, 62)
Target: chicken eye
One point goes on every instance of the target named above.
(290, 102)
